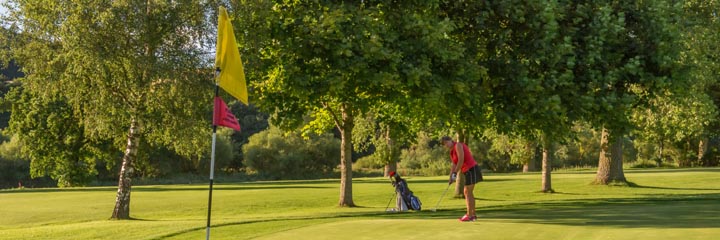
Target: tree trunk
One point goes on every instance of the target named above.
(702, 149)
(122, 201)
(686, 160)
(346, 199)
(391, 165)
(462, 136)
(616, 165)
(547, 169)
(660, 159)
(610, 168)
(529, 165)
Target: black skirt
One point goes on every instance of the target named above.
(473, 175)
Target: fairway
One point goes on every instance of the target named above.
(663, 204)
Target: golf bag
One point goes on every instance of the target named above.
(406, 200)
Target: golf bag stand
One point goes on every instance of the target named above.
(406, 200)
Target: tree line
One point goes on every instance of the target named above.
(115, 83)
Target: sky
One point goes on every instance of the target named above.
(3, 10)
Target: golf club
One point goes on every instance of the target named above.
(441, 197)
(388, 204)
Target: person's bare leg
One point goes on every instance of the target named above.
(470, 200)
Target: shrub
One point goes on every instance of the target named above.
(369, 162)
(425, 158)
(10, 150)
(279, 155)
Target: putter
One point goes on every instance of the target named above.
(441, 197)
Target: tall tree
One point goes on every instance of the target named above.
(529, 92)
(648, 68)
(337, 59)
(623, 54)
(699, 24)
(131, 69)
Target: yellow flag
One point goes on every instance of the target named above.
(227, 59)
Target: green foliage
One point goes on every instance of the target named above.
(516, 150)
(338, 60)
(11, 149)
(425, 157)
(672, 121)
(287, 155)
(111, 64)
(224, 150)
(252, 121)
(526, 69)
(628, 53)
(369, 162)
(651, 164)
(317, 57)
(675, 118)
(370, 132)
(13, 167)
(526, 53)
(13, 171)
(52, 136)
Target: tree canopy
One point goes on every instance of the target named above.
(123, 70)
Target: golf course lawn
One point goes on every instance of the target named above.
(662, 204)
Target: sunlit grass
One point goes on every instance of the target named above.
(661, 204)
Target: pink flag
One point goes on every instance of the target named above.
(223, 117)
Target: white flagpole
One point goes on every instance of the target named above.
(212, 161)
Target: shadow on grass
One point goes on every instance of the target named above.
(690, 211)
(671, 170)
(634, 185)
(379, 214)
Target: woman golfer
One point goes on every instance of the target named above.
(464, 162)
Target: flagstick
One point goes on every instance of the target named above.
(212, 162)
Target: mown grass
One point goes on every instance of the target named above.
(659, 204)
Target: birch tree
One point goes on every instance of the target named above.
(129, 70)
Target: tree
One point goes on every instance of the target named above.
(648, 68)
(334, 61)
(699, 24)
(529, 92)
(375, 133)
(674, 118)
(516, 150)
(53, 137)
(623, 54)
(129, 70)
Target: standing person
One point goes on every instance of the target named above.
(464, 162)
